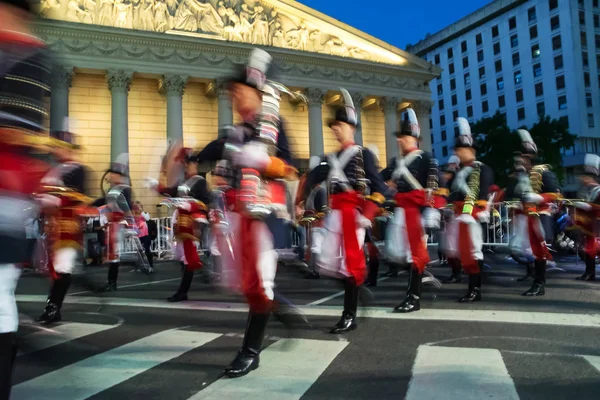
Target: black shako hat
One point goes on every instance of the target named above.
(409, 126)
(345, 113)
(24, 5)
(464, 139)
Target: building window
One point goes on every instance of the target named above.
(495, 31)
(478, 39)
(443, 136)
(535, 51)
(452, 84)
(533, 33)
(500, 83)
(445, 151)
(514, 41)
(558, 62)
(465, 62)
(496, 48)
(554, 23)
(454, 115)
(468, 94)
(531, 14)
(440, 89)
(519, 95)
(586, 79)
(537, 70)
(454, 100)
(562, 102)
(484, 106)
(541, 108)
(516, 59)
(582, 18)
(437, 59)
(467, 79)
(483, 89)
(596, 21)
(512, 23)
(442, 120)
(556, 43)
(451, 68)
(539, 89)
(498, 65)
(456, 131)
(501, 101)
(430, 123)
(450, 53)
(479, 55)
(521, 113)
(590, 120)
(518, 77)
(441, 104)
(553, 4)
(560, 82)
(469, 111)
(463, 46)
(597, 39)
(583, 38)
(481, 72)
(588, 99)
(595, 3)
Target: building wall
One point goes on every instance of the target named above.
(330, 143)
(89, 109)
(296, 126)
(200, 116)
(373, 130)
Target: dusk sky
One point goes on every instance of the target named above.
(398, 22)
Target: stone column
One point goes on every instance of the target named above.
(225, 107)
(118, 84)
(173, 87)
(62, 78)
(315, 121)
(389, 105)
(358, 99)
(423, 109)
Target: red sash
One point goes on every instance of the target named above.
(347, 203)
(412, 202)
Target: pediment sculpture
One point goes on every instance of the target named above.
(248, 21)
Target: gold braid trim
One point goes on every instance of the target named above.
(376, 198)
(481, 203)
(473, 193)
(442, 192)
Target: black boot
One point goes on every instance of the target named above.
(413, 294)
(184, 287)
(456, 267)
(312, 272)
(55, 300)
(590, 269)
(347, 322)
(539, 282)
(248, 358)
(529, 273)
(8, 354)
(113, 275)
(474, 293)
(373, 272)
(392, 271)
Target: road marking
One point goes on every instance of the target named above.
(516, 317)
(60, 334)
(287, 370)
(459, 373)
(594, 361)
(93, 375)
(132, 285)
(338, 294)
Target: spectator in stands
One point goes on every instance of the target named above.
(141, 219)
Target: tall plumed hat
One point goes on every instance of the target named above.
(410, 125)
(464, 139)
(529, 146)
(591, 165)
(254, 73)
(453, 164)
(345, 113)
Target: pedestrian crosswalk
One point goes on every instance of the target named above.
(290, 369)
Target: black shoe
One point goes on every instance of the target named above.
(177, 297)
(50, 315)
(371, 283)
(528, 275)
(453, 279)
(246, 360)
(538, 289)
(312, 275)
(473, 295)
(109, 287)
(586, 277)
(410, 304)
(346, 324)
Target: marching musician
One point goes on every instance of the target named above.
(63, 200)
(412, 172)
(23, 109)
(448, 173)
(537, 187)
(469, 196)
(118, 201)
(587, 214)
(348, 173)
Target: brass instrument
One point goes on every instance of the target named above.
(535, 177)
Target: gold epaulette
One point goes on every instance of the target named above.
(481, 203)
(553, 196)
(377, 198)
(442, 192)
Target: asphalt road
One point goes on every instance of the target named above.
(132, 344)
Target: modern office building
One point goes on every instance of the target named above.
(524, 58)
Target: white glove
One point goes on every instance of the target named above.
(252, 155)
(582, 205)
(484, 217)
(532, 198)
(184, 206)
(150, 183)
(47, 200)
(432, 218)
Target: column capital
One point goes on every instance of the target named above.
(220, 85)
(389, 104)
(358, 99)
(172, 84)
(421, 106)
(314, 95)
(119, 79)
(61, 77)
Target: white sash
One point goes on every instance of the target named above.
(402, 171)
(337, 165)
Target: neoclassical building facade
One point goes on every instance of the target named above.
(134, 74)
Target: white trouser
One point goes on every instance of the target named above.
(397, 247)
(64, 260)
(475, 234)
(9, 316)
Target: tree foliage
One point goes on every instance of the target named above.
(496, 144)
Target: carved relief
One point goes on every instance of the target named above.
(249, 21)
